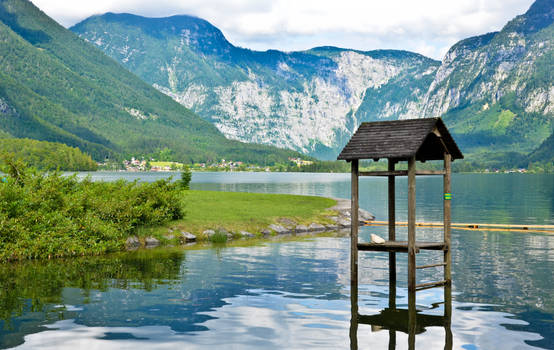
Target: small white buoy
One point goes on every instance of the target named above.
(376, 239)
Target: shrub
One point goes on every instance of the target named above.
(45, 215)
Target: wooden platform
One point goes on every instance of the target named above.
(400, 246)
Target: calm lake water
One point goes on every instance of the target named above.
(294, 293)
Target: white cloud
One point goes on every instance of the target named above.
(427, 26)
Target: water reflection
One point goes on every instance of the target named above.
(410, 321)
(277, 295)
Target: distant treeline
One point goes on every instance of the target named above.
(45, 155)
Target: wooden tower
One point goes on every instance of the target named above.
(403, 140)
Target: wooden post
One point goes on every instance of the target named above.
(412, 319)
(392, 221)
(448, 317)
(411, 224)
(447, 218)
(354, 256)
(354, 321)
(354, 229)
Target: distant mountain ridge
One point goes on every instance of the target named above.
(56, 87)
(310, 101)
(494, 90)
(498, 87)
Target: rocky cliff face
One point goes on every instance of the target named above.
(493, 90)
(309, 101)
(500, 85)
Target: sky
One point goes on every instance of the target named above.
(428, 27)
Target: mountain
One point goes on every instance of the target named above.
(494, 91)
(311, 101)
(56, 87)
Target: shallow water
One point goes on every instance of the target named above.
(294, 293)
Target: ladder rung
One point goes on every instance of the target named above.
(430, 285)
(432, 265)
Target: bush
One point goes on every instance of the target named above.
(44, 215)
(218, 237)
(186, 176)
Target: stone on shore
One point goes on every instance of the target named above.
(314, 227)
(247, 234)
(288, 223)
(151, 242)
(344, 222)
(187, 237)
(280, 230)
(209, 233)
(132, 243)
(301, 229)
(364, 215)
(376, 239)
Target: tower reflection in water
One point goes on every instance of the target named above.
(410, 321)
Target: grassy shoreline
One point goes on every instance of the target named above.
(233, 212)
(47, 215)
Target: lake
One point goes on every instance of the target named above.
(294, 293)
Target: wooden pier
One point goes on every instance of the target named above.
(406, 140)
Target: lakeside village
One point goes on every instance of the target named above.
(135, 165)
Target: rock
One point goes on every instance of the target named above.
(187, 237)
(301, 228)
(151, 242)
(345, 213)
(376, 239)
(316, 227)
(132, 243)
(364, 215)
(344, 222)
(247, 234)
(266, 232)
(209, 233)
(288, 223)
(280, 230)
(331, 227)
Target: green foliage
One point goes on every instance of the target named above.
(44, 215)
(218, 237)
(60, 88)
(48, 155)
(318, 166)
(186, 176)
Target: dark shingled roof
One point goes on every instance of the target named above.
(401, 139)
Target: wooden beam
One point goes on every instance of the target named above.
(430, 265)
(411, 224)
(430, 285)
(447, 216)
(467, 225)
(430, 172)
(354, 229)
(400, 246)
(400, 172)
(392, 220)
(384, 173)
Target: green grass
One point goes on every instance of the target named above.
(162, 164)
(252, 212)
